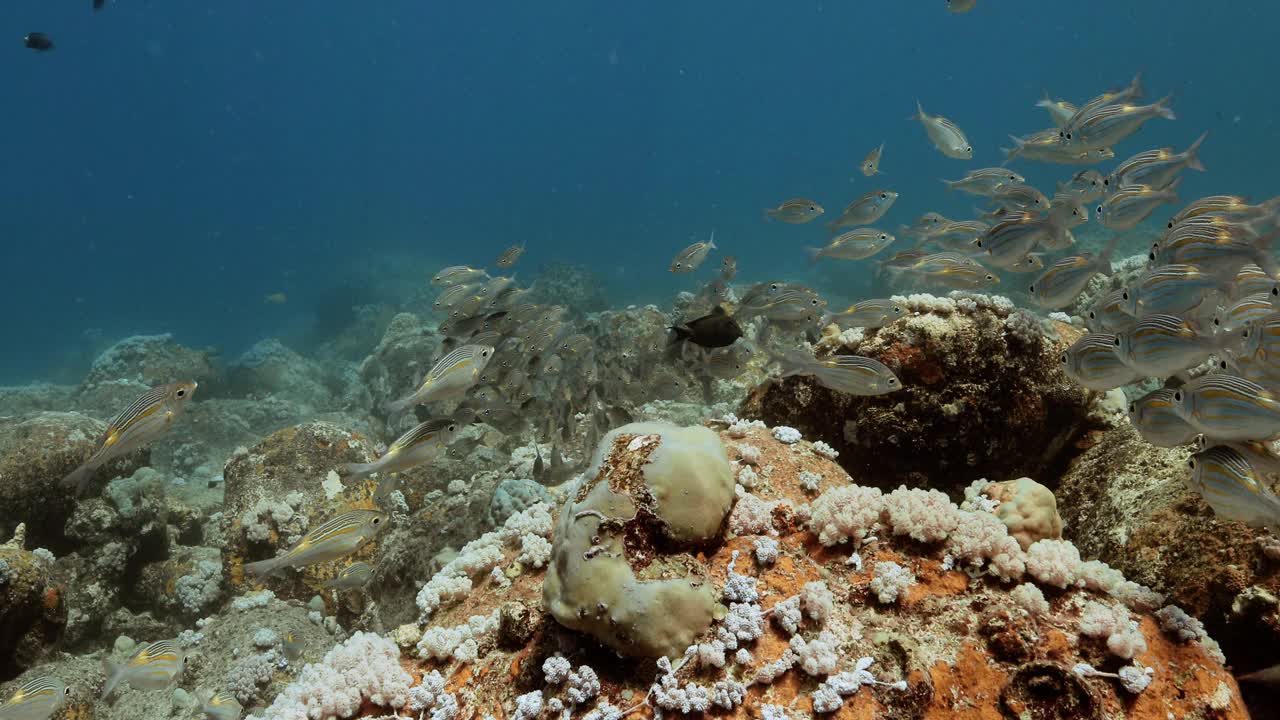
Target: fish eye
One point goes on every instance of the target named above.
(1191, 463)
(1125, 295)
(1133, 407)
(990, 276)
(812, 209)
(1099, 209)
(1177, 396)
(1217, 322)
(1063, 358)
(377, 521)
(182, 393)
(1068, 136)
(1117, 341)
(883, 236)
(892, 382)
(897, 310)
(884, 196)
(1031, 288)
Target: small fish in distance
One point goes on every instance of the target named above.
(714, 330)
(871, 163)
(38, 41)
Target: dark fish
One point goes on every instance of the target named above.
(717, 329)
(99, 4)
(38, 41)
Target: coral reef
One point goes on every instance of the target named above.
(1126, 503)
(808, 633)
(978, 399)
(33, 610)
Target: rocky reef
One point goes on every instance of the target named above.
(982, 395)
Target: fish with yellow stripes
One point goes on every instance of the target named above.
(415, 447)
(36, 699)
(339, 537)
(146, 419)
(151, 667)
(449, 378)
(1233, 486)
(219, 706)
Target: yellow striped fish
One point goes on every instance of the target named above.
(1156, 168)
(411, 449)
(351, 577)
(151, 667)
(510, 256)
(35, 699)
(1154, 417)
(1233, 487)
(1104, 126)
(1093, 362)
(456, 274)
(866, 314)
(451, 296)
(450, 378)
(1129, 205)
(1231, 207)
(944, 134)
(220, 706)
(795, 211)
(1108, 313)
(871, 163)
(146, 419)
(865, 209)
(1046, 146)
(1161, 346)
(339, 537)
(1226, 407)
(851, 374)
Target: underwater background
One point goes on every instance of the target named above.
(170, 164)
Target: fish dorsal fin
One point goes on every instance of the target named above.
(719, 310)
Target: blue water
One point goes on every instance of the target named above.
(173, 162)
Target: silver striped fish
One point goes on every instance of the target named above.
(458, 274)
(1231, 485)
(1129, 205)
(795, 211)
(944, 134)
(851, 374)
(871, 163)
(1171, 289)
(854, 245)
(1060, 111)
(1092, 361)
(984, 181)
(1226, 407)
(1156, 419)
(866, 314)
(1156, 168)
(146, 419)
(1013, 197)
(1086, 185)
(1161, 346)
(510, 256)
(451, 377)
(1132, 91)
(1214, 245)
(1108, 313)
(690, 258)
(1259, 454)
(1046, 146)
(339, 537)
(1013, 237)
(151, 667)
(1243, 312)
(1106, 125)
(351, 577)
(221, 706)
(958, 235)
(36, 699)
(1067, 277)
(1227, 207)
(1260, 348)
(423, 442)
(1252, 280)
(866, 209)
(453, 295)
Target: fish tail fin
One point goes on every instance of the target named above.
(1135, 85)
(815, 254)
(950, 185)
(1171, 191)
(356, 471)
(79, 478)
(919, 113)
(679, 332)
(1264, 254)
(711, 244)
(767, 214)
(115, 673)
(263, 568)
(1193, 153)
(1163, 109)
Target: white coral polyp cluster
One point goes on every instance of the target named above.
(365, 667)
(845, 513)
(891, 582)
(528, 530)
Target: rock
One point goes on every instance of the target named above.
(982, 396)
(31, 399)
(279, 489)
(33, 612)
(36, 452)
(269, 368)
(1127, 503)
(573, 286)
(962, 643)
